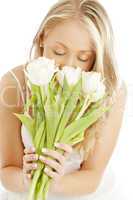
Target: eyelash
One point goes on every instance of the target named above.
(63, 55)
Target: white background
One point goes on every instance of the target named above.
(19, 21)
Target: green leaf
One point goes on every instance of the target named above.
(38, 107)
(69, 108)
(52, 118)
(54, 85)
(96, 104)
(78, 138)
(28, 122)
(43, 95)
(76, 111)
(84, 122)
(66, 90)
(39, 134)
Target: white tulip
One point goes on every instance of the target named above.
(92, 85)
(99, 93)
(72, 75)
(41, 70)
(26, 137)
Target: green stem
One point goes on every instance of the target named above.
(44, 181)
(47, 188)
(85, 106)
(35, 179)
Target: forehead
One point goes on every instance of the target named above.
(71, 33)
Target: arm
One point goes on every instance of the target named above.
(87, 179)
(78, 183)
(12, 179)
(11, 147)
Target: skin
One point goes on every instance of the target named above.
(16, 169)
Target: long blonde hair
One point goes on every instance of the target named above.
(93, 15)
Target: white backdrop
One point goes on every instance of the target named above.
(19, 21)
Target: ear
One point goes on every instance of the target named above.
(41, 39)
(41, 43)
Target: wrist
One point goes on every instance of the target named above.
(55, 187)
(25, 182)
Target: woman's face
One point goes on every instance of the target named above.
(69, 44)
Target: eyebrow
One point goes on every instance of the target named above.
(66, 47)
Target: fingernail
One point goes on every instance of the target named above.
(35, 165)
(36, 157)
(41, 157)
(44, 150)
(46, 169)
(33, 148)
(29, 175)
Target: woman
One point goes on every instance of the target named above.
(74, 33)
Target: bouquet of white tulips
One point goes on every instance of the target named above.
(63, 103)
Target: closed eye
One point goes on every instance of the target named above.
(83, 60)
(62, 54)
(59, 54)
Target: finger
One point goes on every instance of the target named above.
(30, 157)
(29, 167)
(66, 155)
(29, 150)
(32, 172)
(56, 155)
(52, 163)
(51, 173)
(29, 175)
(67, 148)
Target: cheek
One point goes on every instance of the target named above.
(47, 53)
(87, 66)
(90, 64)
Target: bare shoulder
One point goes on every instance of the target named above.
(9, 90)
(118, 104)
(123, 88)
(121, 94)
(18, 70)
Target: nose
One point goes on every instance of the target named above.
(70, 60)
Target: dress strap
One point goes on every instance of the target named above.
(23, 97)
(27, 90)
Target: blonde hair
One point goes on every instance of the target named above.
(93, 15)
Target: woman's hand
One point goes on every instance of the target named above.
(29, 164)
(58, 162)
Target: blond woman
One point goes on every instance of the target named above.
(74, 33)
